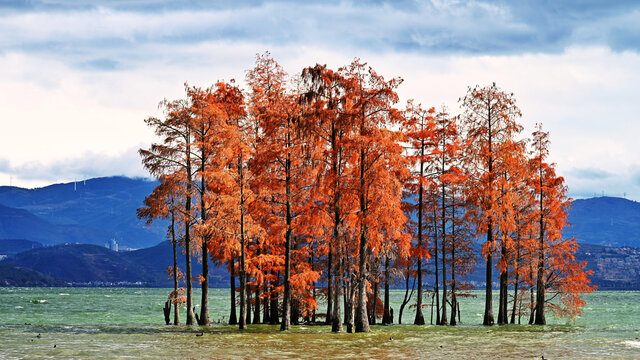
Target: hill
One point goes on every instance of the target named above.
(12, 275)
(606, 221)
(14, 246)
(106, 205)
(21, 224)
(82, 264)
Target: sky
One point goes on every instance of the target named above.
(77, 79)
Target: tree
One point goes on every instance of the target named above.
(173, 155)
(418, 129)
(282, 163)
(377, 167)
(161, 204)
(557, 270)
(489, 122)
(447, 174)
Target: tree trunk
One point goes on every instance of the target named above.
(176, 308)
(336, 320)
(488, 294)
(256, 306)
(328, 319)
(532, 306)
(286, 301)
(187, 238)
(407, 296)
(419, 319)
(273, 307)
(387, 318)
(266, 319)
(249, 302)
(233, 319)
(443, 231)
(204, 300)
(504, 277)
(540, 286)
(437, 275)
(374, 304)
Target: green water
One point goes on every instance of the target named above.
(128, 323)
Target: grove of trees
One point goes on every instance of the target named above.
(317, 188)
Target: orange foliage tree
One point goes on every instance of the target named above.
(299, 187)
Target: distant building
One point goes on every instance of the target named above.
(112, 245)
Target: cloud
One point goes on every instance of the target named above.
(79, 77)
(590, 173)
(75, 31)
(84, 166)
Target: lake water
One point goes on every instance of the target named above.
(82, 323)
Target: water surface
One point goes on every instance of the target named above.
(128, 323)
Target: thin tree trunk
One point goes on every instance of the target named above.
(265, 306)
(204, 300)
(286, 301)
(328, 319)
(454, 300)
(419, 319)
(361, 320)
(336, 323)
(249, 301)
(443, 231)
(540, 286)
(256, 306)
(437, 285)
(488, 302)
(386, 318)
(504, 277)
(274, 301)
(374, 303)
(233, 318)
(406, 298)
(488, 294)
(176, 308)
(532, 301)
(187, 241)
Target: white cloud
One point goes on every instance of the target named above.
(82, 81)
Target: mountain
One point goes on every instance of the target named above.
(20, 223)
(12, 275)
(90, 265)
(83, 264)
(95, 209)
(14, 246)
(605, 221)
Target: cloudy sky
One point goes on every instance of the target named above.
(78, 78)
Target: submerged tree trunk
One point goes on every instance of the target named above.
(273, 307)
(266, 319)
(387, 317)
(532, 301)
(256, 306)
(407, 295)
(329, 316)
(488, 294)
(233, 317)
(443, 318)
(419, 319)
(286, 301)
(436, 293)
(540, 285)
(374, 303)
(187, 237)
(176, 307)
(249, 302)
(504, 277)
(336, 320)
